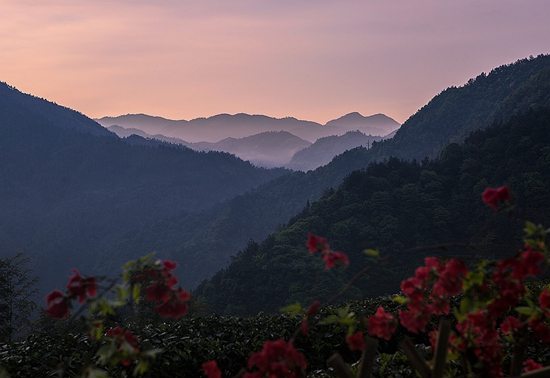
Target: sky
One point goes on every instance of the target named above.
(310, 59)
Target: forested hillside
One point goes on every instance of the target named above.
(203, 243)
(69, 188)
(393, 206)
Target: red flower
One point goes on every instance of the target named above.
(175, 306)
(510, 325)
(120, 336)
(382, 324)
(316, 243)
(332, 258)
(544, 300)
(304, 328)
(415, 319)
(531, 365)
(211, 369)
(157, 293)
(531, 261)
(356, 341)
(169, 266)
(540, 330)
(78, 286)
(493, 197)
(58, 306)
(312, 310)
(277, 359)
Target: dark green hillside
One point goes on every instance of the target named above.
(46, 112)
(455, 112)
(66, 194)
(203, 243)
(395, 205)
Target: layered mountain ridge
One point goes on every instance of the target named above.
(221, 126)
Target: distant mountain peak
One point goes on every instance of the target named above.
(376, 124)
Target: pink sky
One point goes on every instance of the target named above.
(310, 59)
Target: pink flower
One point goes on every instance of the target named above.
(211, 369)
(493, 197)
(382, 324)
(356, 341)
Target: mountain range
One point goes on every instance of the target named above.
(268, 149)
(205, 242)
(74, 194)
(221, 126)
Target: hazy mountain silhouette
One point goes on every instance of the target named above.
(325, 149)
(268, 149)
(376, 124)
(221, 126)
(69, 187)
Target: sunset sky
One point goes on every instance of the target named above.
(310, 59)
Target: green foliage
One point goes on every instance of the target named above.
(189, 342)
(393, 204)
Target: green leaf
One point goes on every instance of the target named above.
(293, 310)
(466, 305)
(122, 292)
(151, 353)
(146, 258)
(136, 291)
(401, 300)
(473, 279)
(98, 373)
(526, 310)
(129, 264)
(372, 252)
(329, 320)
(530, 228)
(106, 308)
(141, 368)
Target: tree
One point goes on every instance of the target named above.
(17, 288)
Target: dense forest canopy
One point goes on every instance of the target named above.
(392, 206)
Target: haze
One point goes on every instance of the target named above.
(314, 60)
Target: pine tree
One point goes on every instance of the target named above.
(17, 288)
